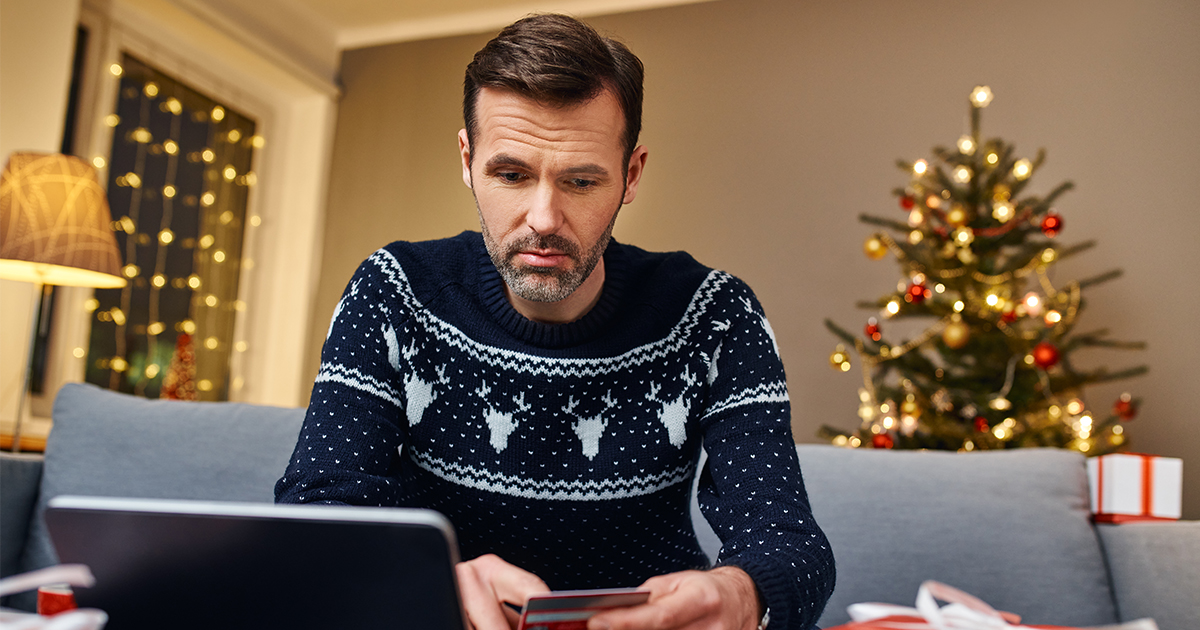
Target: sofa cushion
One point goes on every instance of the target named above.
(1155, 572)
(109, 444)
(1011, 527)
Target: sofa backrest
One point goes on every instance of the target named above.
(110, 444)
(1011, 527)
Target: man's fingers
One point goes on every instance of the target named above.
(483, 611)
(674, 603)
(486, 583)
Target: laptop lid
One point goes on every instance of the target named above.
(200, 564)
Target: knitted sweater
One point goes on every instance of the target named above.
(568, 450)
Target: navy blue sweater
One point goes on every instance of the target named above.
(568, 450)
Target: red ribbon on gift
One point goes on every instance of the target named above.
(1147, 494)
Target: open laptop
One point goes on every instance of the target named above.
(198, 564)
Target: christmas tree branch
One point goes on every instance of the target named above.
(1067, 252)
(1104, 277)
(840, 332)
(887, 223)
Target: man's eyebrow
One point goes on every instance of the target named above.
(504, 159)
(587, 169)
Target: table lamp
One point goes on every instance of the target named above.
(55, 228)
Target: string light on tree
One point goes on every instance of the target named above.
(988, 368)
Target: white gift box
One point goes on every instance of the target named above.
(1132, 487)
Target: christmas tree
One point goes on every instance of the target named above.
(180, 380)
(991, 367)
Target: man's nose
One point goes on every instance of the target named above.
(545, 214)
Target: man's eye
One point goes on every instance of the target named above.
(583, 184)
(511, 178)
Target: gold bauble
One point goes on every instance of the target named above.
(874, 248)
(957, 216)
(956, 334)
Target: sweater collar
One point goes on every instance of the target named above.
(495, 302)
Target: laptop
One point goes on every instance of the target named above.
(200, 564)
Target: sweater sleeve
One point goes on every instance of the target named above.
(348, 447)
(751, 490)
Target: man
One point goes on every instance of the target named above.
(549, 389)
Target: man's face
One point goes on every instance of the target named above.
(548, 182)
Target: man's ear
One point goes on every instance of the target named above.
(637, 163)
(464, 150)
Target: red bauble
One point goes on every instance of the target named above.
(981, 424)
(1009, 316)
(916, 293)
(907, 203)
(882, 440)
(1045, 355)
(1125, 408)
(1052, 224)
(872, 329)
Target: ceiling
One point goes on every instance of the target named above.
(360, 23)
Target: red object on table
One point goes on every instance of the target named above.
(906, 622)
(52, 600)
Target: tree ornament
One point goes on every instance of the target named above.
(956, 334)
(981, 424)
(907, 202)
(839, 360)
(882, 440)
(872, 329)
(1045, 355)
(1052, 224)
(916, 293)
(957, 216)
(1125, 408)
(874, 248)
(1009, 316)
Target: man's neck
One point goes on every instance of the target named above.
(564, 311)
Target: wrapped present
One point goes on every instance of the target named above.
(1135, 487)
(961, 612)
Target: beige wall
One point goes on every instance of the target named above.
(773, 124)
(37, 38)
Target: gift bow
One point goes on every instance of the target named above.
(962, 612)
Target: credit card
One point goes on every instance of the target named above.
(570, 610)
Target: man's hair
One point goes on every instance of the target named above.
(556, 60)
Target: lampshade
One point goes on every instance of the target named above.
(55, 227)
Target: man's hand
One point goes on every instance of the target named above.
(721, 599)
(486, 583)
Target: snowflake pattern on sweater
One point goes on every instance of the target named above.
(568, 450)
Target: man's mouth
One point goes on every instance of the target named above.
(542, 258)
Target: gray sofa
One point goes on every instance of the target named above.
(1011, 527)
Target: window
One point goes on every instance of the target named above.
(178, 185)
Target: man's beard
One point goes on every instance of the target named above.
(545, 284)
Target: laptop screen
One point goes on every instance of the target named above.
(192, 564)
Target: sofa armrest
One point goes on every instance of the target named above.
(1155, 570)
(20, 475)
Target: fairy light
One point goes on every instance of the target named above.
(992, 299)
(150, 90)
(1022, 169)
(171, 147)
(962, 174)
(920, 167)
(169, 191)
(156, 328)
(981, 96)
(218, 113)
(234, 135)
(116, 70)
(1074, 407)
(79, 353)
(893, 307)
(230, 172)
(959, 306)
(1003, 211)
(99, 162)
(966, 145)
